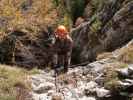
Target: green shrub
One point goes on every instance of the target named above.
(56, 2)
(96, 25)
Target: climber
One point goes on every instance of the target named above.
(63, 48)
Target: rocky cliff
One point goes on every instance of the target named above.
(102, 27)
(107, 27)
(103, 37)
(23, 30)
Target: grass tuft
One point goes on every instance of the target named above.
(126, 54)
(111, 76)
(12, 78)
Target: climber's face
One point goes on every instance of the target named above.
(62, 35)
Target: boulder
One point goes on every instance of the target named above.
(101, 92)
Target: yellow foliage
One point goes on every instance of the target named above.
(96, 25)
(126, 54)
(38, 13)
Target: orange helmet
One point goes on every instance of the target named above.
(61, 31)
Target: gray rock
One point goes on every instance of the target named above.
(123, 72)
(91, 85)
(96, 67)
(101, 92)
(126, 83)
(90, 88)
(44, 87)
(130, 69)
(40, 96)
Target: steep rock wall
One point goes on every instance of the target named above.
(108, 29)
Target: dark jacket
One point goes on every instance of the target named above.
(63, 46)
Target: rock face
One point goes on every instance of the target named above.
(32, 16)
(104, 26)
(108, 29)
(25, 49)
(118, 30)
(100, 80)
